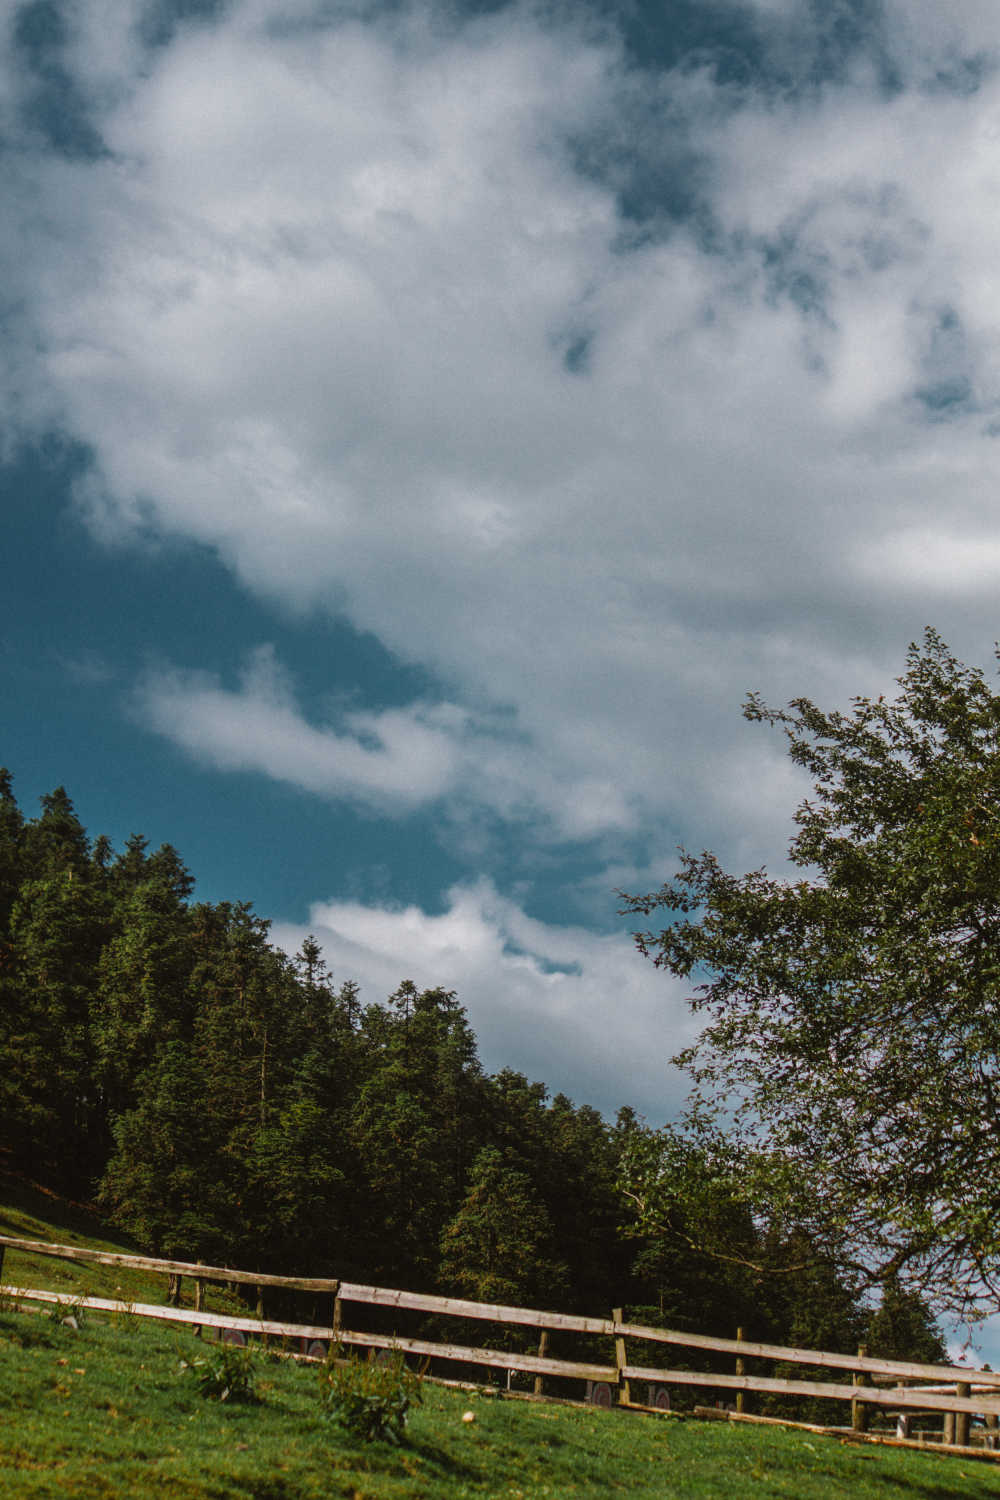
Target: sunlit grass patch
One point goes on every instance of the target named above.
(105, 1413)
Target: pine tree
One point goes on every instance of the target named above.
(903, 1327)
(141, 999)
(415, 1115)
(499, 1246)
(11, 855)
(50, 1110)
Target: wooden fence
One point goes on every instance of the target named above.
(899, 1387)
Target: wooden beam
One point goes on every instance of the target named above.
(487, 1312)
(167, 1314)
(349, 1291)
(844, 1436)
(962, 1418)
(911, 1396)
(859, 1411)
(462, 1354)
(892, 1368)
(170, 1267)
(543, 1349)
(499, 1359)
(500, 1313)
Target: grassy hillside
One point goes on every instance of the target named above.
(32, 1213)
(106, 1411)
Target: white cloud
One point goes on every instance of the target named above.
(934, 562)
(343, 305)
(582, 1013)
(401, 756)
(930, 37)
(392, 759)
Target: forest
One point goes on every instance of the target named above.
(218, 1099)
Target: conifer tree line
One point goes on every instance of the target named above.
(219, 1100)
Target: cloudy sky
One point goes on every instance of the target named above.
(422, 424)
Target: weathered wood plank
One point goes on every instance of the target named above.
(921, 1445)
(910, 1396)
(349, 1291)
(486, 1312)
(175, 1267)
(500, 1359)
(894, 1368)
(167, 1314)
(500, 1313)
(859, 1411)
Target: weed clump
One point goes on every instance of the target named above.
(72, 1312)
(226, 1374)
(370, 1398)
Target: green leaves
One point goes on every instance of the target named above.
(853, 1015)
(227, 1373)
(370, 1398)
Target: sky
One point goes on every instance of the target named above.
(421, 425)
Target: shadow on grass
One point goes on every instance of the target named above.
(45, 1211)
(27, 1335)
(440, 1462)
(914, 1489)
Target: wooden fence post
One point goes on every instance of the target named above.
(260, 1312)
(335, 1327)
(624, 1394)
(859, 1411)
(992, 1420)
(543, 1349)
(963, 1388)
(904, 1419)
(199, 1293)
(741, 1369)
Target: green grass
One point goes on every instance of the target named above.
(29, 1212)
(105, 1412)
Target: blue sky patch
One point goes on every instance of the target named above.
(423, 425)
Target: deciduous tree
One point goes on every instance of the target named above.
(853, 1011)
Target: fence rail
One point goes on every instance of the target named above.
(957, 1392)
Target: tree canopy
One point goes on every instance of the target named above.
(224, 1100)
(853, 1013)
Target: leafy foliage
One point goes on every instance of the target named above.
(853, 1014)
(225, 1373)
(370, 1398)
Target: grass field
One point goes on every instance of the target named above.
(105, 1412)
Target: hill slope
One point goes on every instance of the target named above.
(105, 1412)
